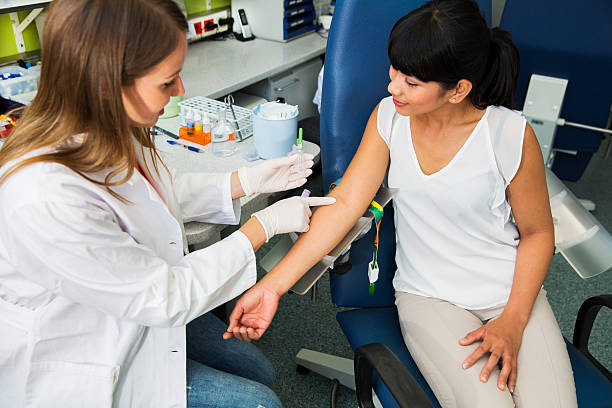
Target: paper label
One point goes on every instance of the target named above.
(372, 273)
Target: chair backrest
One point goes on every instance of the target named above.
(572, 40)
(355, 80)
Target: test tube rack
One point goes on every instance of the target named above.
(243, 122)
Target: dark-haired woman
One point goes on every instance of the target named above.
(468, 281)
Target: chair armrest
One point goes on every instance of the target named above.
(584, 324)
(394, 374)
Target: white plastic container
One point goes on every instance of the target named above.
(27, 82)
(273, 137)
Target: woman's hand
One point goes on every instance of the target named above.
(502, 338)
(274, 175)
(253, 313)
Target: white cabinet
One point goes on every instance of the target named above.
(296, 86)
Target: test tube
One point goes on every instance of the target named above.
(300, 152)
(294, 235)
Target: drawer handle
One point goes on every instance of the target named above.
(279, 89)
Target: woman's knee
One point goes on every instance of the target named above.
(265, 372)
(248, 394)
(263, 397)
(209, 387)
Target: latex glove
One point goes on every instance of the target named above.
(253, 313)
(275, 175)
(289, 215)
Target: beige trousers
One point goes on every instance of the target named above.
(432, 329)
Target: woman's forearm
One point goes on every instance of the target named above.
(532, 262)
(254, 232)
(328, 226)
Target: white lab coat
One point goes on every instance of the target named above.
(95, 293)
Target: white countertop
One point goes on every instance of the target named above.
(216, 68)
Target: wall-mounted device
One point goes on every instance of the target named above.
(245, 33)
(277, 20)
(209, 23)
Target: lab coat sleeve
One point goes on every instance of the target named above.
(194, 192)
(78, 250)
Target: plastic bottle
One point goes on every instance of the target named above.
(206, 128)
(197, 122)
(189, 119)
(223, 137)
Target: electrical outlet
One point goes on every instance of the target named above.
(198, 25)
(207, 23)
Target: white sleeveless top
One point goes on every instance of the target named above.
(455, 236)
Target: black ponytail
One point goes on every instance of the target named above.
(500, 76)
(448, 40)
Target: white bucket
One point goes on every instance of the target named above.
(274, 137)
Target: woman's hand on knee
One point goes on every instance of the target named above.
(501, 338)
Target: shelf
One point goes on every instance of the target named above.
(11, 6)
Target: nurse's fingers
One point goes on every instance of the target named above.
(297, 175)
(252, 333)
(296, 183)
(240, 333)
(234, 317)
(317, 201)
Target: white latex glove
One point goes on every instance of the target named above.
(289, 215)
(275, 175)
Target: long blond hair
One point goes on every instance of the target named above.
(91, 48)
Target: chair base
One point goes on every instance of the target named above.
(332, 367)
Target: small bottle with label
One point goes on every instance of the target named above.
(198, 136)
(223, 137)
(189, 119)
(197, 122)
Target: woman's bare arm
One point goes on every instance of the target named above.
(330, 223)
(528, 196)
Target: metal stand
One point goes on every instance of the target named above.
(330, 366)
